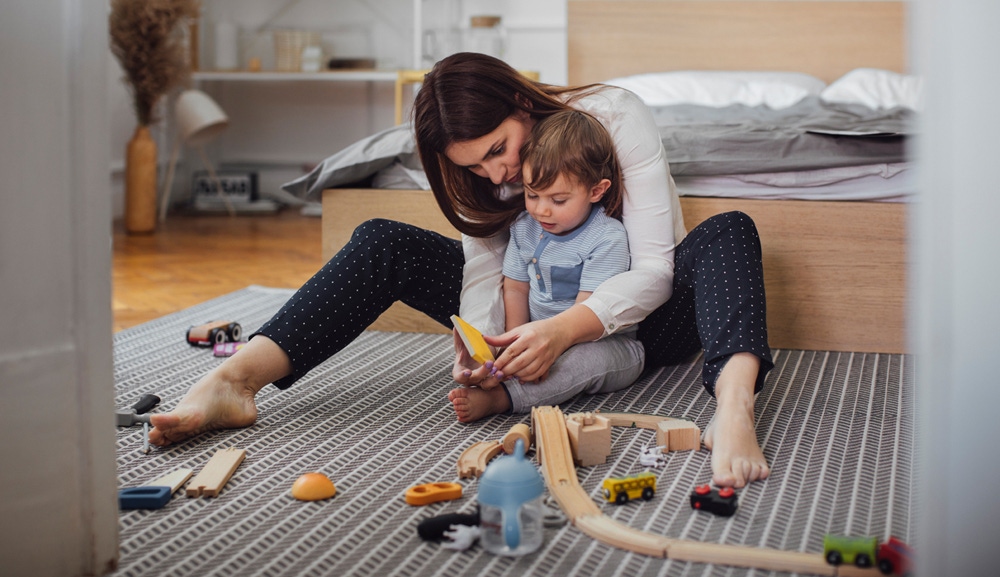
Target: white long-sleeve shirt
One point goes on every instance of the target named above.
(651, 215)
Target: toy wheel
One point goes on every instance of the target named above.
(621, 498)
(885, 566)
(217, 336)
(648, 493)
(863, 560)
(235, 332)
(834, 558)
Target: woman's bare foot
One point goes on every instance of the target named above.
(224, 398)
(736, 457)
(210, 404)
(472, 403)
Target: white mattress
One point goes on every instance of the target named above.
(893, 182)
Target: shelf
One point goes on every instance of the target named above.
(325, 76)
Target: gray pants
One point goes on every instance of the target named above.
(603, 366)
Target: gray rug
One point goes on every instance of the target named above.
(837, 429)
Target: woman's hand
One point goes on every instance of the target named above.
(530, 350)
(468, 372)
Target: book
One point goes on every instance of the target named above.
(473, 340)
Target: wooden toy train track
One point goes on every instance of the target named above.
(552, 447)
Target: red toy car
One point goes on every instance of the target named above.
(895, 557)
(214, 332)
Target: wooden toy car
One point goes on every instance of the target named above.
(620, 490)
(860, 551)
(718, 501)
(214, 332)
(893, 557)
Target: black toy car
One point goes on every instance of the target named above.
(214, 332)
(718, 501)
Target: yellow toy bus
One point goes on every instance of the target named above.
(620, 490)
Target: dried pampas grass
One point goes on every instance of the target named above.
(149, 44)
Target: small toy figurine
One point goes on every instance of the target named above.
(461, 537)
(214, 332)
(652, 456)
(720, 502)
(621, 490)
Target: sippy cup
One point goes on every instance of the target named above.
(510, 505)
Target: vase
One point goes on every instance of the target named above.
(140, 182)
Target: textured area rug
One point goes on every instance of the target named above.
(837, 429)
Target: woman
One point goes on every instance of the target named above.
(471, 116)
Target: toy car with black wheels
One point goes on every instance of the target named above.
(213, 333)
(621, 489)
(893, 557)
(718, 501)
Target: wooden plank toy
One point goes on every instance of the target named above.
(216, 473)
(473, 340)
(156, 494)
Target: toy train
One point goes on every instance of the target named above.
(621, 489)
(892, 557)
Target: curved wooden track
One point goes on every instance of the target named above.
(554, 454)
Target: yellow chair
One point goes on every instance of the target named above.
(404, 77)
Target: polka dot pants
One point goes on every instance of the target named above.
(717, 304)
(718, 301)
(384, 261)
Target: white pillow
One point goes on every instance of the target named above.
(876, 89)
(721, 88)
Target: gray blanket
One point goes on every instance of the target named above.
(699, 141)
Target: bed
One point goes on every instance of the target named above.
(835, 270)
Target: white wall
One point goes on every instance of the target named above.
(955, 282)
(58, 507)
(281, 128)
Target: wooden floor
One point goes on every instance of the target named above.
(193, 258)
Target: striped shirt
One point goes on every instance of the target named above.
(557, 267)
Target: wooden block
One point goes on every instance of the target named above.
(173, 480)
(678, 435)
(216, 473)
(589, 438)
(473, 339)
(518, 431)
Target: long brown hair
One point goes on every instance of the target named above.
(464, 97)
(575, 145)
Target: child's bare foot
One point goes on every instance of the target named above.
(472, 404)
(736, 457)
(224, 398)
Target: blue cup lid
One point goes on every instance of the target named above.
(510, 480)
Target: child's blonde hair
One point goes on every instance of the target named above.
(576, 145)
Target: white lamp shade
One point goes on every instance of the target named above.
(199, 118)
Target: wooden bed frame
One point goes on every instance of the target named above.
(835, 272)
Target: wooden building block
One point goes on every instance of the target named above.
(173, 480)
(518, 431)
(589, 438)
(216, 473)
(678, 435)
